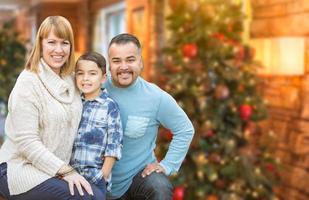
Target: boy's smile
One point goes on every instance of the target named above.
(89, 78)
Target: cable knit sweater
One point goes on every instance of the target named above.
(44, 113)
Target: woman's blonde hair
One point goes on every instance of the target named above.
(62, 29)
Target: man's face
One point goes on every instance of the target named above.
(125, 63)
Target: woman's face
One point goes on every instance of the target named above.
(55, 51)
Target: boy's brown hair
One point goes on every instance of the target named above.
(96, 58)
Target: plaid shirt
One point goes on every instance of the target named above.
(100, 134)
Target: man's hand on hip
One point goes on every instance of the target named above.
(152, 167)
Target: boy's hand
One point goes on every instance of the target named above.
(152, 167)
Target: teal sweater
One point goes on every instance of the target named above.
(143, 107)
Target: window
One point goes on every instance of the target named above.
(110, 21)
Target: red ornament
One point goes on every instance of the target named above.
(169, 136)
(245, 112)
(189, 50)
(220, 183)
(219, 36)
(240, 53)
(208, 134)
(270, 167)
(221, 92)
(179, 193)
(214, 158)
(166, 134)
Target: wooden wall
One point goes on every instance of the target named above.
(75, 12)
(288, 96)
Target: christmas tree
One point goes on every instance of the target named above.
(12, 58)
(212, 75)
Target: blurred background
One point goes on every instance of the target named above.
(236, 65)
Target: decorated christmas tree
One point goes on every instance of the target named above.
(212, 75)
(12, 58)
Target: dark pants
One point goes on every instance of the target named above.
(51, 189)
(156, 186)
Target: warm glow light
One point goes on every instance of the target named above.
(280, 55)
(77, 54)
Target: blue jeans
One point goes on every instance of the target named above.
(51, 189)
(156, 186)
(101, 185)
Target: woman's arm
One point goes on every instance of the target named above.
(24, 130)
(22, 127)
(68, 174)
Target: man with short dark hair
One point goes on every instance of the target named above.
(143, 108)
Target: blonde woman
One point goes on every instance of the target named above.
(42, 121)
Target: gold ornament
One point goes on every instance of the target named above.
(200, 159)
(175, 3)
(200, 175)
(208, 124)
(193, 5)
(255, 194)
(186, 60)
(212, 197)
(257, 171)
(213, 176)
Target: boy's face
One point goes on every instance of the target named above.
(89, 78)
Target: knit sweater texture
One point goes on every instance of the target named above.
(44, 111)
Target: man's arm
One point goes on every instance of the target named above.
(172, 117)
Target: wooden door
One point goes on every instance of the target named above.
(138, 24)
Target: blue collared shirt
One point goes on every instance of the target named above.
(99, 135)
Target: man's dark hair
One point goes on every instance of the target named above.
(96, 58)
(125, 38)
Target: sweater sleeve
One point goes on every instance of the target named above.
(172, 117)
(23, 129)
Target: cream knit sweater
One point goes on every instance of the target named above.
(44, 113)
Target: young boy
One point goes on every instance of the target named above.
(99, 140)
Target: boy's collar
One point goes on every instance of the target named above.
(101, 98)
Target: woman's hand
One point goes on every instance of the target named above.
(79, 181)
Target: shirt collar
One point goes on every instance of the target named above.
(101, 98)
(61, 89)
